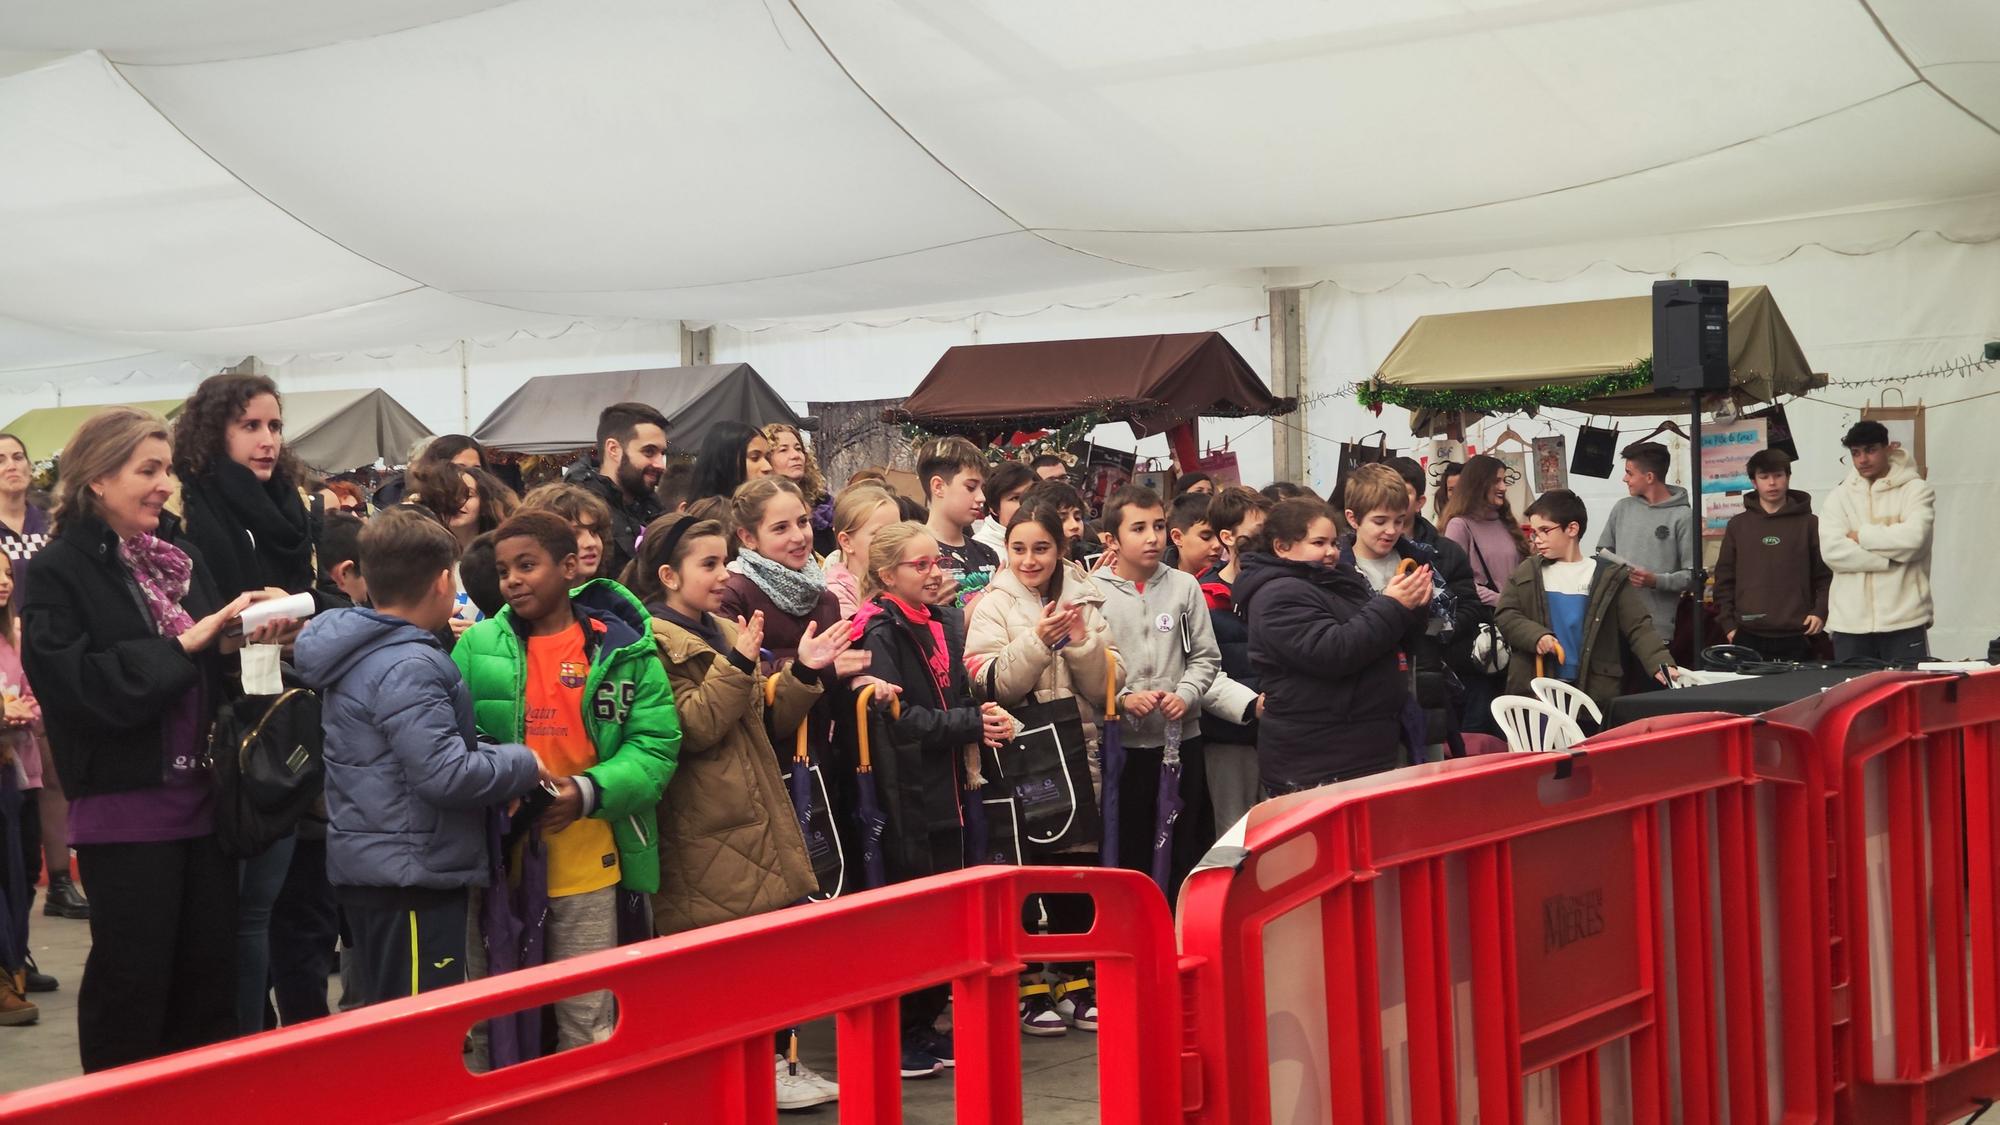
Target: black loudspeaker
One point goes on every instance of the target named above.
(1690, 336)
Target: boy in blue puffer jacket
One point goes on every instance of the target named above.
(407, 781)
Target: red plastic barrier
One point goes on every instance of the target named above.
(1634, 933)
(696, 1015)
(1914, 811)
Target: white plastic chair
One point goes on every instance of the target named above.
(1566, 698)
(1534, 727)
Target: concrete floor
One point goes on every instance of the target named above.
(1059, 1076)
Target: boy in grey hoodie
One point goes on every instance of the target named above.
(1652, 531)
(1166, 644)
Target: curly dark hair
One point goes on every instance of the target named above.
(201, 431)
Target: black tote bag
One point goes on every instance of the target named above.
(1045, 772)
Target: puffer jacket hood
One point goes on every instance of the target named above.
(338, 642)
(407, 781)
(1258, 570)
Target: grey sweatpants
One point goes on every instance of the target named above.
(1232, 782)
(577, 924)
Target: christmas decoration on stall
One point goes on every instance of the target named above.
(1496, 401)
(1024, 443)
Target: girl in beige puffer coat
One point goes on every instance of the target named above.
(1040, 631)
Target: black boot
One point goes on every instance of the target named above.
(38, 981)
(65, 900)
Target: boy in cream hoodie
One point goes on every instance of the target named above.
(1875, 533)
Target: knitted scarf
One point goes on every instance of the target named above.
(162, 572)
(794, 591)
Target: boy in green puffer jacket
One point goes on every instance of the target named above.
(574, 675)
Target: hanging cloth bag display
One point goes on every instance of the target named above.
(1596, 451)
(1356, 453)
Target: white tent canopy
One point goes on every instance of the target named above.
(218, 177)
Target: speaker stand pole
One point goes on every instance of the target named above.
(1694, 495)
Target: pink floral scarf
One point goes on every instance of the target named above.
(163, 572)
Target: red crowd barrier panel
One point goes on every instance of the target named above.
(697, 1013)
(1914, 812)
(1633, 933)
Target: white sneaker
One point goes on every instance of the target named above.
(801, 1088)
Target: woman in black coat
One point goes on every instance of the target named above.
(123, 637)
(241, 504)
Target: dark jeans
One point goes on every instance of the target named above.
(305, 925)
(404, 952)
(1139, 805)
(1898, 646)
(261, 878)
(1476, 711)
(161, 975)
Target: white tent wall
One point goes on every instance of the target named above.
(1922, 302)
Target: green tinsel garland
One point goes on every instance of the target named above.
(1056, 441)
(1639, 375)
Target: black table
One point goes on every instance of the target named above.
(1752, 696)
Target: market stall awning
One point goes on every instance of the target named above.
(558, 413)
(47, 430)
(1584, 355)
(1152, 382)
(334, 431)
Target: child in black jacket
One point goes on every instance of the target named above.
(923, 767)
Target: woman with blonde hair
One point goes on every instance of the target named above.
(792, 459)
(125, 640)
(858, 513)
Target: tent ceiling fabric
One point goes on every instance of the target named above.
(228, 176)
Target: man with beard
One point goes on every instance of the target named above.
(631, 454)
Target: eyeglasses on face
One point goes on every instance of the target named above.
(920, 566)
(1533, 532)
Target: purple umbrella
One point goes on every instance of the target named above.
(873, 822)
(1170, 806)
(803, 775)
(514, 915)
(1111, 765)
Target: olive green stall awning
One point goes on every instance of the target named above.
(1576, 344)
(47, 430)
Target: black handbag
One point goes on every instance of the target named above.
(267, 754)
(1596, 450)
(1045, 772)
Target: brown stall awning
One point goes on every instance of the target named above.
(1543, 345)
(1151, 382)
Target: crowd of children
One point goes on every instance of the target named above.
(531, 756)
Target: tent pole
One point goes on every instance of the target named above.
(1288, 380)
(464, 391)
(1694, 495)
